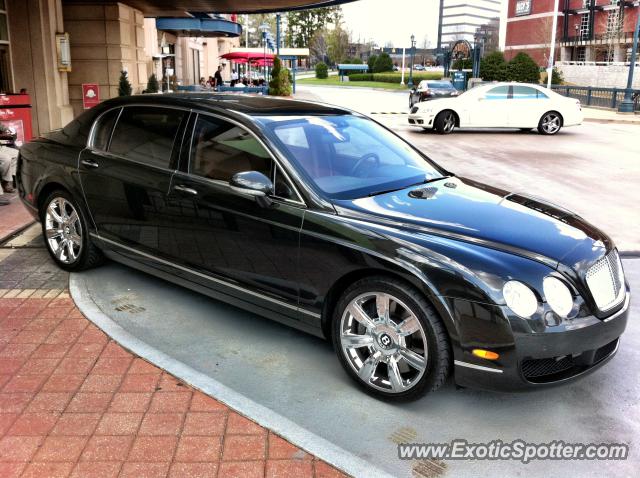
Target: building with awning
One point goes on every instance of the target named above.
(52, 48)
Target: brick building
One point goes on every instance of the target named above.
(589, 31)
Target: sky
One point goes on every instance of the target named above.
(392, 21)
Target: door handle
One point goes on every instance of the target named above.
(186, 190)
(90, 163)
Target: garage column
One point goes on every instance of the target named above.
(33, 25)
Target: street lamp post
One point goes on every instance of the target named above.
(264, 28)
(413, 48)
(627, 103)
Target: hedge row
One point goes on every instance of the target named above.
(394, 77)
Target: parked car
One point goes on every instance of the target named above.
(500, 105)
(324, 220)
(431, 90)
(418, 67)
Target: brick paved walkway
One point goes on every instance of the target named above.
(13, 216)
(75, 403)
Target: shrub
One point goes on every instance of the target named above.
(152, 84)
(371, 62)
(556, 77)
(124, 87)
(522, 68)
(394, 77)
(322, 71)
(280, 85)
(493, 67)
(383, 63)
(462, 64)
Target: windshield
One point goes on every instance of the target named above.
(348, 156)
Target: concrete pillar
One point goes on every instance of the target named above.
(565, 53)
(589, 53)
(105, 40)
(619, 52)
(32, 26)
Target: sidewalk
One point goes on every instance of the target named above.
(596, 115)
(75, 403)
(13, 217)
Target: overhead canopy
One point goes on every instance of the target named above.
(179, 8)
(199, 27)
(259, 59)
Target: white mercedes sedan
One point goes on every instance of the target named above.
(499, 105)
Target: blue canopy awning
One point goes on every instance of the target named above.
(199, 27)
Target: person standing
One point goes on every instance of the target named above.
(8, 158)
(218, 77)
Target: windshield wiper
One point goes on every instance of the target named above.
(426, 181)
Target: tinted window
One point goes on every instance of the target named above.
(146, 134)
(498, 93)
(348, 156)
(102, 131)
(527, 93)
(221, 149)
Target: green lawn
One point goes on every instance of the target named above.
(335, 81)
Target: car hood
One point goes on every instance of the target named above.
(467, 210)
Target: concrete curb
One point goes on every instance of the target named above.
(299, 436)
(611, 121)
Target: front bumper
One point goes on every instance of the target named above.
(424, 120)
(537, 360)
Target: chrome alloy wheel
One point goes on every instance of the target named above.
(449, 122)
(384, 342)
(63, 230)
(550, 123)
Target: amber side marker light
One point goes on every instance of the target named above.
(485, 354)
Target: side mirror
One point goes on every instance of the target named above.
(253, 183)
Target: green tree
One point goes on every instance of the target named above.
(303, 24)
(337, 45)
(522, 68)
(556, 77)
(383, 63)
(322, 71)
(280, 84)
(124, 87)
(493, 67)
(152, 84)
(372, 62)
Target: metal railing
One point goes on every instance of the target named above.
(596, 96)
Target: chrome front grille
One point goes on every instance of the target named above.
(606, 281)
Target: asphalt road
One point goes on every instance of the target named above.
(592, 169)
(298, 377)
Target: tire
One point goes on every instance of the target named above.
(393, 342)
(550, 123)
(410, 102)
(65, 230)
(445, 122)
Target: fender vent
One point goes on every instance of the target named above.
(423, 193)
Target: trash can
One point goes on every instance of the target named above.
(15, 114)
(460, 80)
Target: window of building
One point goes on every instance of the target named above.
(221, 149)
(5, 65)
(103, 128)
(146, 134)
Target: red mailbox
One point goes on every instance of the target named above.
(15, 114)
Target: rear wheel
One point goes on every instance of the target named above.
(66, 233)
(445, 122)
(550, 123)
(390, 340)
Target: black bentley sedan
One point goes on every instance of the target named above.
(321, 218)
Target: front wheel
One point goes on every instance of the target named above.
(390, 340)
(66, 233)
(550, 123)
(445, 122)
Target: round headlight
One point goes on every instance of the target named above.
(558, 296)
(520, 298)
